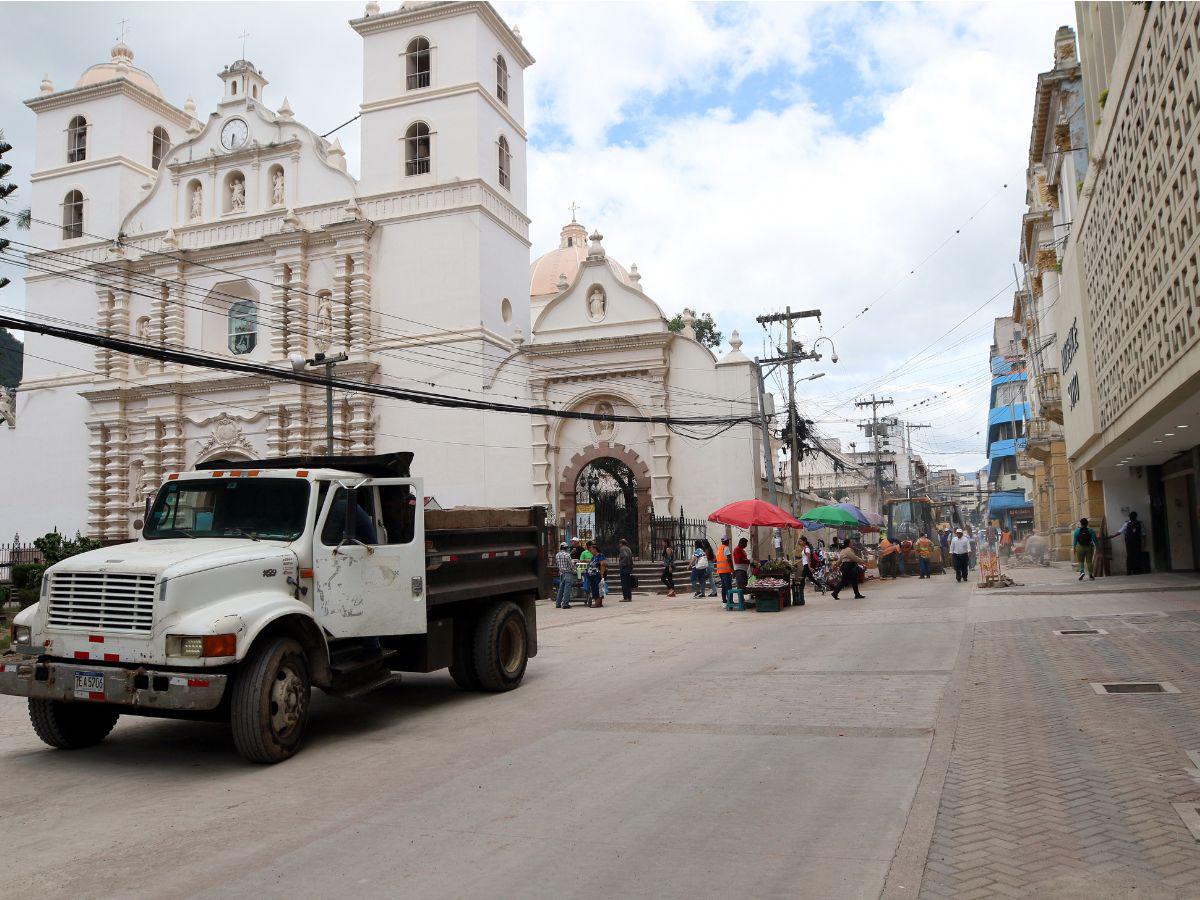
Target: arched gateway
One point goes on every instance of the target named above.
(610, 486)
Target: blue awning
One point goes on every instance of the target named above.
(1007, 447)
(1005, 413)
(1003, 501)
(1001, 366)
(1008, 379)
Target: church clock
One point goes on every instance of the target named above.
(233, 135)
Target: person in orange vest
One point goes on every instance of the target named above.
(725, 569)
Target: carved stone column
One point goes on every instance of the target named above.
(116, 485)
(299, 326)
(174, 334)
(172, 444)
(277, 316)
(97, 472)
(119, 327)
(543, 489)
(660, 440)
(279, 430)
(104, 307)
(360, 302)
(362, 431)
(341, 302)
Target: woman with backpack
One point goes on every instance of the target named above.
(699, 569)
(1083, 546)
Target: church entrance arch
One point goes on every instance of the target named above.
(610, 486)
(607, 486)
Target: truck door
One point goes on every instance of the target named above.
(370, 578)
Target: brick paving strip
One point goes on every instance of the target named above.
(1053, 790)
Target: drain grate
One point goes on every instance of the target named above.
(1069, 631)
(1134, 687)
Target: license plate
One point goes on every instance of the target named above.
(89, 685)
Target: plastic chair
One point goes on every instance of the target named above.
(741, 599)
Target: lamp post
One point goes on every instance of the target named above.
(299, 364)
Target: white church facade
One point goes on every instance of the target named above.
(242, 235)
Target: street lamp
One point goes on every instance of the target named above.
(299, 363)
(833, 358)
(814, 377)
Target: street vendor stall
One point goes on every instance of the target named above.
(772, 588)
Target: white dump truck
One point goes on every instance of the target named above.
(252, 582)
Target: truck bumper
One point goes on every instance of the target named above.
(25, 676)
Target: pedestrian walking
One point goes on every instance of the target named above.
(710, 575)
(566, 576)
(1006, 544)
(852, 569)
(625, 570)
(960, 552)
(806, 562)
(586, 555)
(699, 568)
(597, 572)
(725, 568)
(1132, 530)
(668, 572)
(887, 558)
(741, 564)
(925, 548)
(1083, 546)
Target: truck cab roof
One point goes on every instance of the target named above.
(379, 465)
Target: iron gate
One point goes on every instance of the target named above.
(680, 531)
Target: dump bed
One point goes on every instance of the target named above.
(475, 553)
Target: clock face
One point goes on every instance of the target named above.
(233, 135)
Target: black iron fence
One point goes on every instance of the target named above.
(681, 531)
(15, 554)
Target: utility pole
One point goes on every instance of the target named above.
(875, 403)
(768, 465)
(908, 451)
(794, 352)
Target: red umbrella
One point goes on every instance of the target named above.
(746, 513)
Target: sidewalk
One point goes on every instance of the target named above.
(1059, 579)
(1055, 790)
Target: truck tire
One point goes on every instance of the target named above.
(501, 647)
(462, 665)
(71, 726)
(271, 697)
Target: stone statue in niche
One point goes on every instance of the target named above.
(237, 196)
(142, 330)
(277, 189)
(603, 427)
(323, 332)
(597, 304)
(197, 202)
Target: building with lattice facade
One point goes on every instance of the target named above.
(1128, 313)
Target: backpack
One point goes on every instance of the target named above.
(1085, 537)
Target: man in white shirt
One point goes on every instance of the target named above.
(960, 552)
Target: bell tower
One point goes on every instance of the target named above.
(442, 125)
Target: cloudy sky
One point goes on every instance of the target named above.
(745, 156)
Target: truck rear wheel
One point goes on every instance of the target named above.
(71, 726)
(501, 647)
(271, 696)
(462, 665)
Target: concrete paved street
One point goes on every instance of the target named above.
(668, 748)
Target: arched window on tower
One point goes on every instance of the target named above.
(505, 163)
(160, 143)
(418, 64)
(501, 79)
(77, 140)
(416, 149)
(72, 215)
(243, 326)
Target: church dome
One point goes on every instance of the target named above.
(572, 250)
(121, 66)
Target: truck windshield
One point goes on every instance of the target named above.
(273, 509)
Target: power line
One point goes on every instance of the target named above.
(134, 348)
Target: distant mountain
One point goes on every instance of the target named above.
(12, 359)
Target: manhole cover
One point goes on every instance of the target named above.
(1134, 687)
(1069, 631)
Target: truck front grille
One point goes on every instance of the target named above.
(106, 601)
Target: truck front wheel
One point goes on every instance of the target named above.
(269, 708)
(501, 647)
(71, 726)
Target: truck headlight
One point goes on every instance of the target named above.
(198, 646)
(21, 635)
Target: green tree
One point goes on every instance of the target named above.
(12, 360)
(704, 326)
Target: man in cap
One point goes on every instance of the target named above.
(566, 577)
(960, 551)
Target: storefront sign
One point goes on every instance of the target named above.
(585, 521)
(1073, 390)
(1070, 346)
